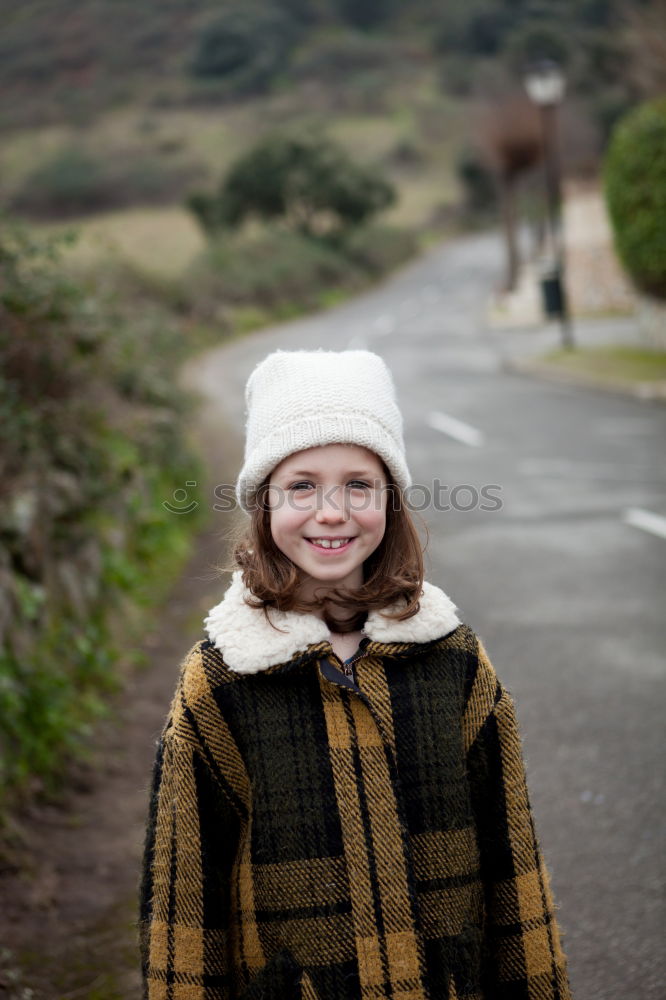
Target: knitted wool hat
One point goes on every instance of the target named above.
(301, 399)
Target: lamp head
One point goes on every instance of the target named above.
(545, 82)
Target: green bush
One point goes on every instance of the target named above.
(378, 249)
(91, 446)
(365, 14)
(274, 270)
(309, 181)
(635, 187)
(533, 40)
(474, 28)
(73, 182)
(70, 181)
(478, 182)
(246, 48)
(282, 272)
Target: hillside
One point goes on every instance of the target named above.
(63, 62)
(115, 112)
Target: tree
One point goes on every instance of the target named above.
(246, 47)
(310, 182)
(474, 28)
(534, 40)
(365, 13)
(511, 140)
(645, 42)
(635, 186)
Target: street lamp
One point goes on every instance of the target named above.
(545, 85)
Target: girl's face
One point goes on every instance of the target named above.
(321, 496)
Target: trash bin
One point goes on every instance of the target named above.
(551, 291)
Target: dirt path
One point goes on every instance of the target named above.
(69, 899)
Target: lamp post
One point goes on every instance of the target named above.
(545, 85)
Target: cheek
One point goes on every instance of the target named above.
(373, 522)
(284, 522)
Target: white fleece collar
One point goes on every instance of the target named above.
(250, 644)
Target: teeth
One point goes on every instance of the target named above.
(327, 544)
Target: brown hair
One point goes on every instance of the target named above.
(392, 574)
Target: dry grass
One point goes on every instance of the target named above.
(422, 195)
(613, 363)
(160, 241)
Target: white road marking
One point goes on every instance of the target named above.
(357, 344)
(646, 520)
(384, 324)
(455, 429)
(409, 309)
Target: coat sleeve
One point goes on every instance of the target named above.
(190, 846)
(523, 954)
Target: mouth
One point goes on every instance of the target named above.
(330, 546)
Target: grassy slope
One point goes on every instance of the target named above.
(112, 77)
(165, 239)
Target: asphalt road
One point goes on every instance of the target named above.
(567, 595)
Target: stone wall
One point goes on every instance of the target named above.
(596, 283)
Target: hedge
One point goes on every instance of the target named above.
(635, 187)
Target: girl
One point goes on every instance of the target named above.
(339, 808)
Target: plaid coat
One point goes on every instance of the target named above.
(312, 837)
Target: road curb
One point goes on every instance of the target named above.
(646, 391)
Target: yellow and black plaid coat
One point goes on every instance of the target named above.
(315, 838)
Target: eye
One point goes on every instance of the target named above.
(303, 484)
(358, 484)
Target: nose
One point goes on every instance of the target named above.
(330, 507)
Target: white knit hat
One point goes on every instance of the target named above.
(301, 399)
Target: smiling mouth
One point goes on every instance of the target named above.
(331, 545)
